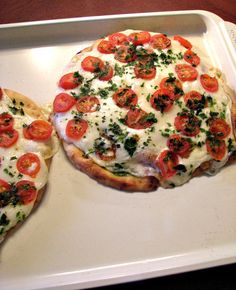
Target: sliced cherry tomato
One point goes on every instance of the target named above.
(69, 81)
(216, 148)
(104, 149)
(125, 54)
(27, 191)
(63, 102)
(186, 72)
(138, 38)
(219, 128)
(26, 133)
(136, 118)
(6, 122)
(118, 38)
(76, 128)
(106, 46)
(1, 93)
(28, 164)
(8, 138)
(162, 100)
(144, 71)
(106, 73)
(187, 124)
(184, 42)
(4, 186)
(174, 85)
(209, 83)
(179, 145)
(39, 130)
(144, 56)
(166, 162)
(92, 64)
(125, 98)
(88, 104)
(195, 101)
(191, 57)
(160, 41)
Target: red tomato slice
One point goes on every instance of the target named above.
(138, 38)
(184, 42)
(162, 100)
(166, 162)
(63, 102)
(88, 104)
(26, 133)
(28, 164)
(187, 124)
(106, 73)
(186, 72)
(144, 56)
(6, 122)
(27, 191)
(92, 64)
(144, 71)
(209, 83)
(104, 149)
(8, 138)
(106, 47)
(76, 128)
(4, 186)
(125, 98)
(179, 145)
(118, 38)
(160, 41)
(173, 85)
(194, 100)
(39, 130)
(216, 148)
(191, 57)
(69, 81)
(136, 118)
(125, 54)
(219, 128)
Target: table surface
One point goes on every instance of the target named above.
(13, 11)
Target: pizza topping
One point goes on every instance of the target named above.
(38, 130)
(139, 38)
(136, 118)
(166, 162)
(106, 73)
(209, 83)
(92, 64)
(6, 122)
(180, 145)
(130, 144)
(63, 102)
(195, 101)
(26, 191)
(172, 84)
(191, 57)
(184, 42)
(106, 46)
(219, 128)
(187, 124)
(76, 128)
(186, 72)
(104, 149)
(125, 98)
(4, 186)
(125, 53)
(145, 71)
(118, 38)
(70, 81)
(28, 164)
(216, 148)
(162, 100)
(160, 41)
(8, 138)
(88, 104)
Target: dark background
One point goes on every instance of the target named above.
(12, 11)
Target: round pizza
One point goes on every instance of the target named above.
(138, 109)
(27, 144)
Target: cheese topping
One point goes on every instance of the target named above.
(137, 149)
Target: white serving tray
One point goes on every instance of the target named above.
(84, 234)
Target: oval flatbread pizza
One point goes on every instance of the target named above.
(139, 109)
(27, 144)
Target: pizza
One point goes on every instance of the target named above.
(137, 110)
(27, 144)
